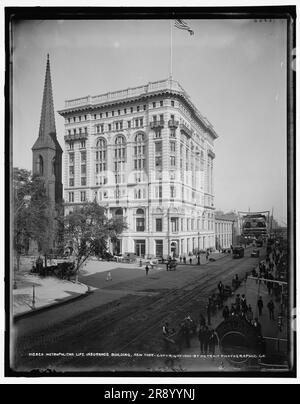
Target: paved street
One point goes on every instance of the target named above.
(123, 315)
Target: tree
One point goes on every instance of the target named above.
(33, 214)
(87, 229)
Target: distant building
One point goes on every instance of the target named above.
(147, 154)
(224, 229)
(46, 151)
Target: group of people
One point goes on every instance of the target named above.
(207, 336)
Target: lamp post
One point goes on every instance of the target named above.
(33, 297)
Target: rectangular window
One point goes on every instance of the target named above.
(138, 109)
(71, 158)
(100, 115)
(131, 109)
(71, 197)
(71, 182)
(112, 113)
(119, 112)
(71, 145)
(172, 103)
(154, 104)
(160, 191)
(141, 121)
(82, 196)
(161, 118)
(82, 144)
(161, 103)
(159, 248)
(159, 224)
(158, 161)
(106, 114)
(172, 161)
(83, 169)
(85, 117)
(71, 170)
(145, 107)
(174, 224)
(125, 110)
(83, 157)
(136, 123)
(172, 146)
(83, 181)
(140, 224)
(69, 132)
(158, 147)
(172, 191)
(109, 127)
(129, 124)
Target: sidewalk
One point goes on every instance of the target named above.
(252, 291)
(31, 292)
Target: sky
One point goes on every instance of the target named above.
(233, 70)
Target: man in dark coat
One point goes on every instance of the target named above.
(226, 313)
(212, 342)
(271, 309)
(260, 305)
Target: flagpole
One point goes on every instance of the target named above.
(171, 49)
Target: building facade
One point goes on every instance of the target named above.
(147, 154)
(224, 229)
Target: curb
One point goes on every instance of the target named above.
(64, 301)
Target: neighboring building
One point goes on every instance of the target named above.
(147, 154)
(224, 228)
(46, 151)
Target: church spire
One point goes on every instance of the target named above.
(47, 122)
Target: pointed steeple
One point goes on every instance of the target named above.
(46, 151)
(47, 131)
(47, 123)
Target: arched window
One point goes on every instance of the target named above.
(40, 165)
(120, 159)
(139, 152)
(101, 161)
(140, 212)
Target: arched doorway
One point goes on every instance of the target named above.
(174, 248)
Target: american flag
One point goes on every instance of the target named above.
(180, 24)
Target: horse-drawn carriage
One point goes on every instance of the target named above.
(171, 265)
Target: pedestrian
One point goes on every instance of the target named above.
(186, 334)
(260, 305)
(271, 309)
(221, 288)
(226, 313)
(198, 259)
(208, 311)
(244, 304)
(202, 320)
(257, 326)
(191, 261)
(147, 269)
(180, 259)
(212, 342)
(167, 265)
(184, 259)
(207, 255)
(238, 304)
(109, 277)
(249, 314)
(202, 336)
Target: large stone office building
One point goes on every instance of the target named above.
(147, 154)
